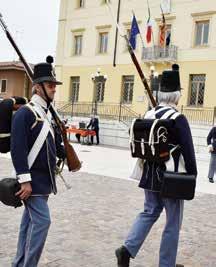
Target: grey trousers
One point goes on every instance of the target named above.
(212, 166)
(153, 207)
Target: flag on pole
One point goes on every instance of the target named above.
(149, 28)
(133, 33)
(162, 31)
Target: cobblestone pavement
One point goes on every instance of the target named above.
(92, 219)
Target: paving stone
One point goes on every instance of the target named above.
(92, 219)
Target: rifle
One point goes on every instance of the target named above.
(142, 76)
(135, 61)
(73, 161)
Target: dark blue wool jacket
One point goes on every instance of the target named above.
(94, 124)
(22, 140)
(211, 139)
(179, 135)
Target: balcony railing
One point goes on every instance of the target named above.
(160, 54)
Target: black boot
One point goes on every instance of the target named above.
(123, 257)
(211, 180)
(179, 265)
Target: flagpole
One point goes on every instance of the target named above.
(116, 34)
(148, 92)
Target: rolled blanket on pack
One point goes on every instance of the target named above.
(6, 113)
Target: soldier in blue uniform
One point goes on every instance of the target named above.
(34, 146)
(151, 181)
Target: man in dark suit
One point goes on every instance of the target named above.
(211, 142)
(94, 124)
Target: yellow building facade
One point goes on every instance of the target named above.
(86, 42)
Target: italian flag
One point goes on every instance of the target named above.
(149, 31)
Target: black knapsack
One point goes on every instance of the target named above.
(149, 138)
(6, 113)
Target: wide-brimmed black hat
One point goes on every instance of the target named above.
(170, 80)
(44, 72)
(8, 189)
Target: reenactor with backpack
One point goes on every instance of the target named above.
(7, 108)
(154, 157)
(9, 186)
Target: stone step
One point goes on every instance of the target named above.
(115, 133)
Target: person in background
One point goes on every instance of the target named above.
(77, 135)
(211, 142)
(94, 125)
(8, 107)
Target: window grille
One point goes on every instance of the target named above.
(100, 88)
(128, 85)
(75, 84)
(197, 90)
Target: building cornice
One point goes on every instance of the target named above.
(78, 30)
(158, 20)
(11, 68)
(205, 13)
(13, 65)
(107, 26)
(128, 24)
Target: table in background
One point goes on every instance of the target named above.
(84, 133)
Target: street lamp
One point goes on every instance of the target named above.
(99, 85)
(152, 70)
(154, 82)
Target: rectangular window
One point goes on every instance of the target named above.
(75, 84)
(103, 42)
(128, 36)
(166, 6)
(128, 85)
(202, 33)
(81, 3)
(78, 44)
(197, 89)
(3, 86)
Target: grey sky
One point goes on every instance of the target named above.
(33, 24)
